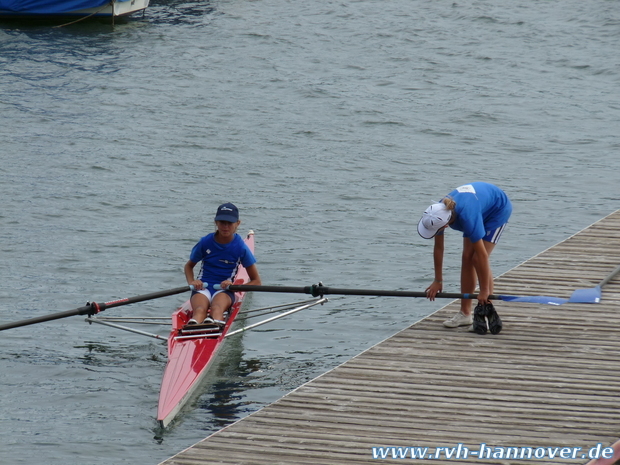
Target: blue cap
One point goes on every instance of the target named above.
(227, 212)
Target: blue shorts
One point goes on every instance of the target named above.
(494, 235)
(209, 292)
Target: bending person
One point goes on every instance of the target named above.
(480, 211)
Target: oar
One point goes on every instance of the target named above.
(91, 308)
(587, 296)
(593, 294)
(318, 290)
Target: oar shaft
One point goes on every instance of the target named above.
(93, 307)
(40, 319)
(317, 290)
(142, 298)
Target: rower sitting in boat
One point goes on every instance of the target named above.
(221, 253)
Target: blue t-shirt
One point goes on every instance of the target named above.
(221, 261)
(480, 208)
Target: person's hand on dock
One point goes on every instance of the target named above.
(434, 289)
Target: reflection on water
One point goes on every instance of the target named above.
(102, 354)
(226, 399)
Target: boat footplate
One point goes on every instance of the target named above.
(184, 335)
(199, 331)
(202, 327)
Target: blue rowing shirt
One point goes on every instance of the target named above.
(480, 207)
(221, 261)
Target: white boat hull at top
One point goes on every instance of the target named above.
(50, 9)
(117, 9)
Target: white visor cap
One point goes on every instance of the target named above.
(434, 218)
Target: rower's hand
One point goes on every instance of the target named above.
(225, 284)
(198, 284)
(483, 297)
(433, 289)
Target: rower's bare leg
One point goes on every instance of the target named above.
(469, 278)
(200, 307)
(221, 303)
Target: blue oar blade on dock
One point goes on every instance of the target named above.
(586, 296)
(534, 299)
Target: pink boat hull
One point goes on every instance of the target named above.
(190, 359)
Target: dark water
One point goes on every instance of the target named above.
(332, 125)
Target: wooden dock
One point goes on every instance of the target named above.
(550, 380)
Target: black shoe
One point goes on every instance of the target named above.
(495, 322)
(480, 322)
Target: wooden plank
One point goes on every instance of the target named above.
(550, 379)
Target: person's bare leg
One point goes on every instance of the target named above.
(469, 278)
(221, 303)
(200, 307)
